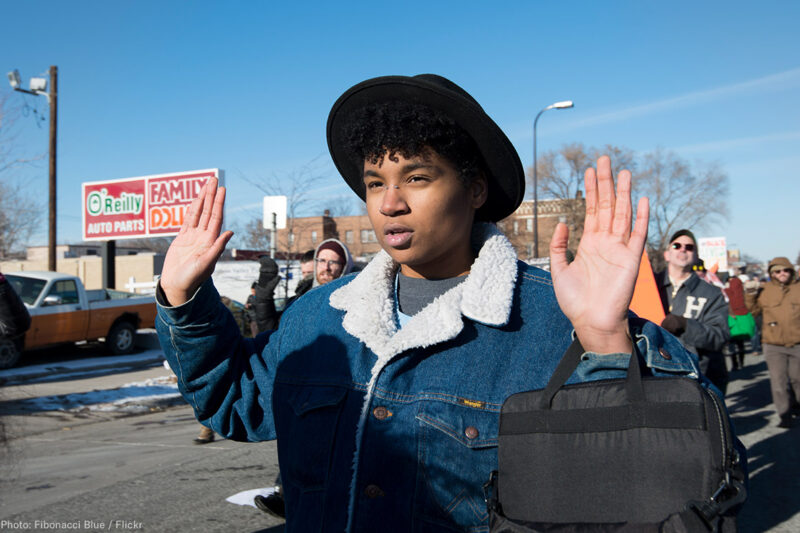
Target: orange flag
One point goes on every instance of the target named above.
(646, 302)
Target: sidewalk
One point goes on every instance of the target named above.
(773, 502)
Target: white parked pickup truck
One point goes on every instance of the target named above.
(63, 311)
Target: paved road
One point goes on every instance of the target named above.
(773, 453)
(143, 471)
(74, 467)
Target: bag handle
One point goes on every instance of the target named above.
(570, 361)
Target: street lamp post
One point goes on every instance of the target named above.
(38, 87)
(566, 104)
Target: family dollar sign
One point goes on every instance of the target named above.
(169, 198)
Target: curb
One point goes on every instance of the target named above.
(56, 369)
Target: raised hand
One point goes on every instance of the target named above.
(192, 255)
(595, 290)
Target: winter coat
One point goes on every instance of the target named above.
(780, 307)
(735, 294)
(705, 309)
(380, 428)
(14, 317)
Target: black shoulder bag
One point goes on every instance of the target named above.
(631, 454)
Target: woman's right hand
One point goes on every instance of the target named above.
(194, 252)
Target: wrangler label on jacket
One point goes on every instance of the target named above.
(472, 403)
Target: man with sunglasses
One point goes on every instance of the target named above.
(778, 301)
(696, 310)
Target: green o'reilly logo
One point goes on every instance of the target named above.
(101, 203)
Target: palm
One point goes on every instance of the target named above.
(595, 290)
(193, 253)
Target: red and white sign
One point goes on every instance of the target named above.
(147, 206)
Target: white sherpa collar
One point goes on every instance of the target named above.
(485, 296)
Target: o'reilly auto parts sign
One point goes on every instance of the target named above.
(147, 206)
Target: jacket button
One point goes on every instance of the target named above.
(665, 354)
(381, 413)
(373, 491)
(471, 432)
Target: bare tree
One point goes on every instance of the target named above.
(20, 212)
(682, 195)
(560, 176)
(341, 206)
(297, 186)
(560, 172)
(252, 235)
(20, 215)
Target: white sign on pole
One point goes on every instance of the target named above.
(713, 251)
(277, 205)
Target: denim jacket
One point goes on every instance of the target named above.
(381, 429)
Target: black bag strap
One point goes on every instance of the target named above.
(570, 361)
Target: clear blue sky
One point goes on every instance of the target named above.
(152, 87)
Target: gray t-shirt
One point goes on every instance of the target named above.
(413, 294)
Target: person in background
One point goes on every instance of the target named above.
(333, 261)
(14, 322)
(307, 267)
(14, 317)
(697, 312)
(250, 306)
(266, 315)
(751, 285)
(736, 308)
(778, 301)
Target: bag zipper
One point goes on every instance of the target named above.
(726, 437)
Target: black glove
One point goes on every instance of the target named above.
(268, 273)
(674, 324)
(303, 286)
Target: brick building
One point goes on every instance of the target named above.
(305, 233)
(519, 226)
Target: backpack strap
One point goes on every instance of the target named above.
(570, 361)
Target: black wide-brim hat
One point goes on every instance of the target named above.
(506, 177)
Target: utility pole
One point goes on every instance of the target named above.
(37, 88)
(274, 238)
(53, 100)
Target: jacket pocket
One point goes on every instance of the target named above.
(457, 450)
(307, 416)
(773, 321)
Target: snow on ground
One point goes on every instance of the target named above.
(131, 397)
